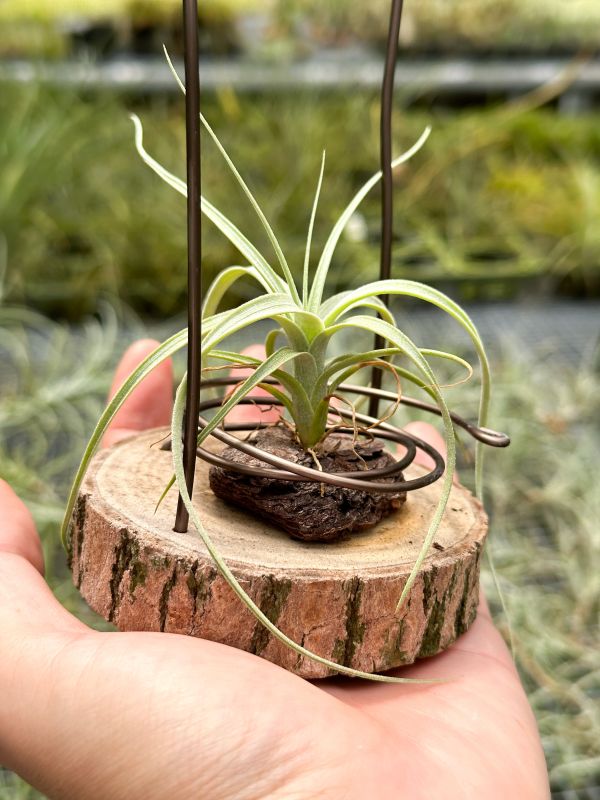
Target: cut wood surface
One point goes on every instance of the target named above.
(336, 599)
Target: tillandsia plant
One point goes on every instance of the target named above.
(305, 377)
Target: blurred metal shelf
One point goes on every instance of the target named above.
(563, 330)
(338, 69)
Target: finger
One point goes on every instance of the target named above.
(483, 609)
(26, 602)
(253, 413)
(18, 534)
(429, 434)
(150, 404)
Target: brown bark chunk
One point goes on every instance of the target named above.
(312, 512)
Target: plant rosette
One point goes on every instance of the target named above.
(391, 579)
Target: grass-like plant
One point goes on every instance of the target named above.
(307, 377)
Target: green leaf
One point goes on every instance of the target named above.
(450, 357)
(409, 348)
(310, 233)
(316, 293)
(272, 238)
(278, 395)
(271, 340)
(223, 282)
(235, 236)
(349, 365)
(371, 301)
(259, 212)
(232, 357)
(222, 325)
(301, 328)
(377, 305)
(180, 83)
(337, 305)
(401, 372)
(278, 359)
(162, 352)
(295, 389)
(345, 360)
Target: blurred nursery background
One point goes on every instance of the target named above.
(501, 210)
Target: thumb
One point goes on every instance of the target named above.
(18, 534)
(150, 404)
(26, 602)
(253, 413)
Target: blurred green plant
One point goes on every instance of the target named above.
(502, 198)
(451, 25)
(74, 216)
(440, 25)
(545, 509)
(118, 9)
(40, 29)
(14, 788)
(51, 380)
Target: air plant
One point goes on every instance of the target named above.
(304, 376)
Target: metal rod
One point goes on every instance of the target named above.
(287, 470)
(385, 154)
(291, 470)
(483, 435)
(192, 129)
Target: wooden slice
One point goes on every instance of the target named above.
(337, 599)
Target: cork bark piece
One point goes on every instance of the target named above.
(311, 512)
(337, 599)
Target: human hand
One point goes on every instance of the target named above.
(88, 715)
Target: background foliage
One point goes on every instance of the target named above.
(282, 28)
(499, 199)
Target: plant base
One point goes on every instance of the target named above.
(338, 599)
(311, 512)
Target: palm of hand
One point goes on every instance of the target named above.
(91, 715)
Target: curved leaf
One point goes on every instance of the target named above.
(366, 302)
(271, 339)
(338, 304)
(310, 233)
(278, 359)
(162, 352)
(294, 387)
(259, 212)
(222, 325)
(409, 348)
(455, 359)
(223, 282)
(343, 361)
(401, 371)
(352, 364)
(316, 292)
(235, 236)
